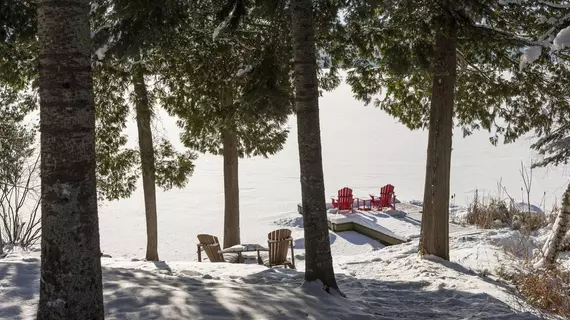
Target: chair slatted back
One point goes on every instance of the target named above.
(345, 199)
(278, 243)
(386, 195)
(211, 246)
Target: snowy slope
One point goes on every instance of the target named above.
(393, 283)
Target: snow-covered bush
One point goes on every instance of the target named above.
(494, 212)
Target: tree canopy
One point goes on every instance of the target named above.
(391, 52)
(231, 79)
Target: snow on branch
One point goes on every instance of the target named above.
(530, 55)
(555, 5)
(562, 39)
(222, 26)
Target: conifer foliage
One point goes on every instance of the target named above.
(231, 89)
(393, 49)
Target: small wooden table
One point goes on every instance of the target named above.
(364, 207)
(249, 247)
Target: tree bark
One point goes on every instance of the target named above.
(70, 281)
(147, 162)
(553, 243)
(318, 262)
(435, 217)
(231, 189)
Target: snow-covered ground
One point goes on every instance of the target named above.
(391, 283)
(379, 282)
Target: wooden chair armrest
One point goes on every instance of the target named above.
(277, 241)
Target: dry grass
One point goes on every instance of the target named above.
(492, 212)
(488, 213)
(529, 221)
(546, 289)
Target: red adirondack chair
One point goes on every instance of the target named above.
(344, 200)
(386, 199)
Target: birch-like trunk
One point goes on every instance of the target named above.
(70, 280)
(435, 217)
(559, 229)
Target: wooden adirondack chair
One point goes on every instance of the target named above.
(279, 241)
(386, 199)
(211, 246)
(344, 201)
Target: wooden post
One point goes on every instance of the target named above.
(199, 253)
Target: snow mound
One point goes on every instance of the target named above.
(523, 207)
(291, 222)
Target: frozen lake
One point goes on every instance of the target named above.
(363, 148)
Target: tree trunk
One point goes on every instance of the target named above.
(435, 217)
(231, 189)
(147, 162)
(70, 282)
(553, 243)
(318, 262)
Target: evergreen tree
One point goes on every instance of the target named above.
(129, 35)
(391, 47)
(318, 264)
(547, 25)
(434, 237)
(231, 89)
(71, 284)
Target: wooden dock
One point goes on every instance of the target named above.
(382, 237)
(392, 227)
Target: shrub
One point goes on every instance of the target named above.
(530, 221)
(489, 212)
(493, 212)
(19, 205)
(547, 289)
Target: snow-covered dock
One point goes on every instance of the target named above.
(390, 227)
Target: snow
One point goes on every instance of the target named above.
(376, 282)
(562, 39)
(396, 225)
(244, 71)
(100, 53)
(523, 207)
(224, 24)
(529, 56)
(391, 283)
